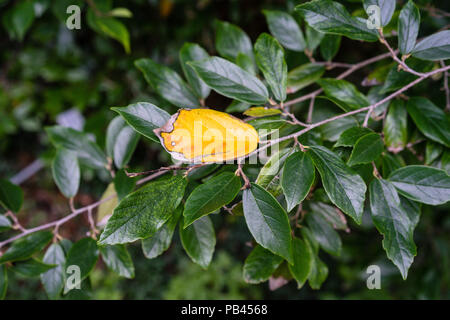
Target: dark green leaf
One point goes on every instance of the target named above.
(434, 47)
(11, 195)
(267, 221)
(391, 163)
(144, 117)
(392, 221)
(330, 214)
(121, 140)
(319, 273)
(160, 241)
(246, 63)
(118, 260)
(143, 212)
(367, 149)
(432, 151)
(53, 279)
(344, 187)
(349, 137)
(386, 7)
(345, 92)
(260, 264)
(193, 52)
(66, 172)
(430, 120)
(408, 27)
(423, 184)
(199, 240)
(19, 19)
(297, 178)
(230, 80)
(84, 254)
(303, 261)
(31, 268)
(395, 127)
(3, 281)
(123, 184)
(24, 248)
(303, 76)
(284, 27)
(87, 150)
(397, 79)
(272, 167)
(210, 196)
(332, 17)
(231, 40)
(167, 83)
(324, 234)
(313, 38)
(109, 27)
(270, 59)
(329, 46)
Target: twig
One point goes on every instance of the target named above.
(240, 173)
(310, 109)
(446, 88)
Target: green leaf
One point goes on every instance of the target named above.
(349, 137)
(11, 195)
(432, 151)
(193, 52)
(110, 27)
(367, 149)
(329, 46)
(423, 184)
(31, 268)
(66, 172)
(313, 38)
(397, 79)
(270, 59)
(84, 254)
(332, 17)
(144, 117)
(261, 112)
(106, 209)
(331, 214)
(121, 141)
(408, 27)
(260, 265)
(267, 221)
(324, 234)
(387, 8)
(434, 47)
(210, 196)
(246, 63)
(303, 76)
(19, 19)
(395, 127)
(24, 248)
(297, 178)
(230, 80)
(199, 240)
(5, 224)
(121, 13)
(345, 92)
(344, 187)
(231, 40)
(87, 151)
(53, 279)
(118, 260)
(430, 120)
(392, 221)
(167, 83)
(272, 167)
(391, 163)
(3, 281)
(160, 241)
(123, 184)
(319, 270)
(303, 261)
(143, 212)
(285, 29)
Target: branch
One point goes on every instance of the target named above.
(446, 88)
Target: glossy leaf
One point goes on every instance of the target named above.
(408, 27)
(395, 127)
(53, 279)
(329, 46)
(160, 241)
(267, 221)
(118, 260)
(367, 149)
(303, 261)
(270, 60)
(332, 17)
(31, 268)
(123, 184)
(144, 211)
(246, 63)
(211, 196)
(349, 137)
(11, 195)
(285, 29)
(392, 221)
(230, 80)
(5, 224)
(324, 234)
(386, 9)
(313, 38)
(272, 167)
(24, 248)
(434, 47)
(110, 27)
(260, 265)
(430, 120)
(144, 117)
(344, 187)
(297, 178)
(231, 40)
(84, 254)
(331, 214)
(303, 76)
(193, 52)
(66, 172)
(199, 240)
(344, 92)
(121, 141)
(167, 83)
(423, 184)
(432, 151)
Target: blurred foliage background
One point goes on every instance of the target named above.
(54, 69)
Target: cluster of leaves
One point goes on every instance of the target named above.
(291, 211)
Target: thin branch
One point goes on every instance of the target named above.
(446, 88)
(310, 109)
